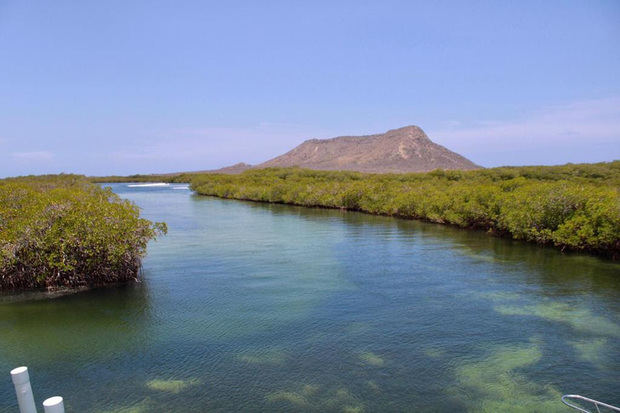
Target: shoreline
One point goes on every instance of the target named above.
(487, 231)
(571, 208)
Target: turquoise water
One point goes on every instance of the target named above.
(256, 307)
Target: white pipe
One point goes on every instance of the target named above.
(23, 390)
(54, 405)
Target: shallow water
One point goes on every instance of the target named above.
(256, 307)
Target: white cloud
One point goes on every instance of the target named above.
(33, 156)
(581, 131)
(220, 146)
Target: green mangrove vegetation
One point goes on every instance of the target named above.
(177, 178)
(64, 231)
(573, 207)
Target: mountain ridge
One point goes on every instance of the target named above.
(406, 149)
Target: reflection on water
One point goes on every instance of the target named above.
(259, 307)
(70, 327)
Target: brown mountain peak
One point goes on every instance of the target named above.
(405, 149)
(411, 130)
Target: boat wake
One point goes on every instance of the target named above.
(148, 185)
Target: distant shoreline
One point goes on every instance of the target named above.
(570, 207)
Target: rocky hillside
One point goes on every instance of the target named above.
(406, 149)
(232, 169)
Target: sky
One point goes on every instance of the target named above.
(124, 87)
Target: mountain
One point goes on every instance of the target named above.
(232, 169)
(405, 149)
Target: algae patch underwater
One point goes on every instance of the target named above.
(496, 384)
(172, 386)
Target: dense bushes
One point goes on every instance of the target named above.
(572, 206)
(62, 231)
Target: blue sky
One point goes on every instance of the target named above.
(120, 87)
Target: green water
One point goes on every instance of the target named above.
(254, 307)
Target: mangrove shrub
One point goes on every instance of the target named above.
(574, 207)
(63, 231)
